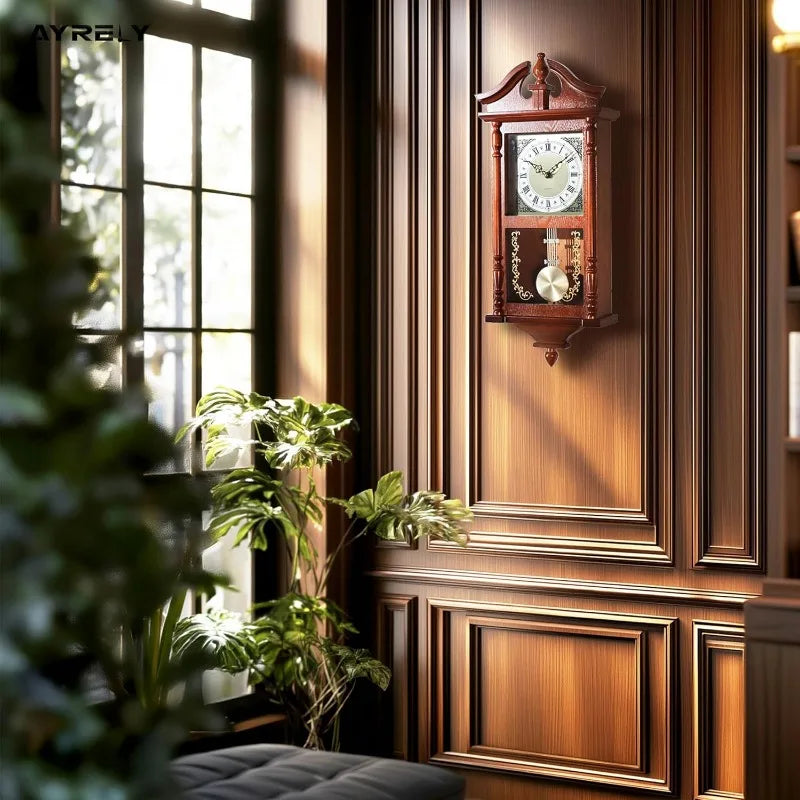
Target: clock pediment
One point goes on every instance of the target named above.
(547, 85)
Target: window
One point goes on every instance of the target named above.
(156, 142)
(158, 168)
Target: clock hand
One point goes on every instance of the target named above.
(549, 173)
(536, 167)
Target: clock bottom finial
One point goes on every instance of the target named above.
(551, 355)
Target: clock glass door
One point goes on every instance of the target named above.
(545, 265)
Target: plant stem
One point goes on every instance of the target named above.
(321, 585)
(156, 690)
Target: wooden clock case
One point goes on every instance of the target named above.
(550, 98)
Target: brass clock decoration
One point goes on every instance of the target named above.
(551, 202)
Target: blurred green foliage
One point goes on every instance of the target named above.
(90, 550)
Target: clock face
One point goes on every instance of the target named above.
(550, 174)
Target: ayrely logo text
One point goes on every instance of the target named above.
(89, 33)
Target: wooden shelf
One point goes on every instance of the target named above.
(793, 294)
(793, 153)
(792, 445)
(259, 722)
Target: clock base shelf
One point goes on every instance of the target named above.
(553, 334)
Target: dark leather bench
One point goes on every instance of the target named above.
(283, 772)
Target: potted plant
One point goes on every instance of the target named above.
(296, 647)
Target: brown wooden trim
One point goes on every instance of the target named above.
(440, 221)
(515, 75)
(496, 510)
(386, 233)
(382, 203)
(554, 546)
(476, 624)
(671, 595)
(658, 201)
(658, 67)
(472, 447)
(198, 25)
(750, 554)
(708, 637)
(772, 712)
(415, 232)
(438, 678)
(444, 749)
(258, 722)
(772, 619)
(394, 610)
(699, 298)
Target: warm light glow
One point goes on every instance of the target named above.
(786, 14)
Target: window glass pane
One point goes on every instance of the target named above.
(95, 213)
(168, 375)
(234, 8)
(107, 373)
(237, 563)
(91, 113)
(167, 257)
(227, 254)
(167, 111)
(227, 117)
(227, 361)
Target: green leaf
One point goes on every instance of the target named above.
(357, 663)
(222, 638)
(389, 489)
(362, 505)
(423, 514)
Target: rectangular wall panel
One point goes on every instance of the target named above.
(549, 691)
(397, 648)
(719, 711)
(726, 284)
(532, 691)
(559, 470)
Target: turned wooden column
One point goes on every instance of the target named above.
(498, 304)
(590, 199)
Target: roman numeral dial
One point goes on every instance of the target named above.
(549, 173)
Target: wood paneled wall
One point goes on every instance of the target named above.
(589, 638)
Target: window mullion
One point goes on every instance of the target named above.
(54, 108)
(197, 220)
(133, 213)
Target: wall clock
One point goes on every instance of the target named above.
(551, 203)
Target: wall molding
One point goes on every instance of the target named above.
(453, 733)
(658, 65)
(666, 595)
(586, 549)
(478, 625)
(707, 553)
(708, 637)
(400, 610)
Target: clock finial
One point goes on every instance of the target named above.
(540, 91)
(551, 355)
(540, 69)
